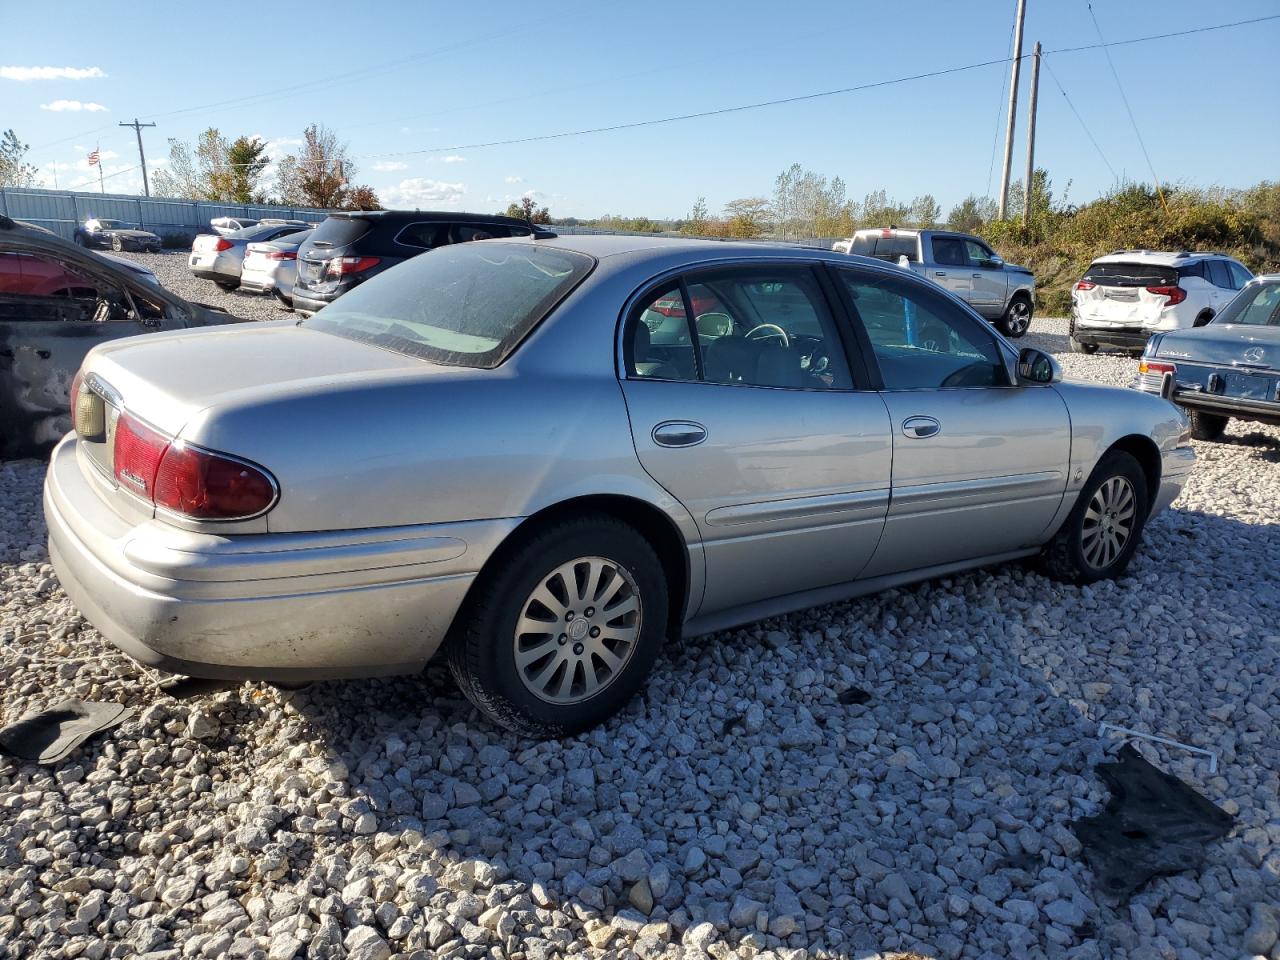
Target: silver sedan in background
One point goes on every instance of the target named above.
(220, 258)
(273, 266)
(547, 456)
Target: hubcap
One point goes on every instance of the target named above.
(577, 630)
(1108, 522)
(1019, 316)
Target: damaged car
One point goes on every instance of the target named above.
(57, 302)
(506, 451)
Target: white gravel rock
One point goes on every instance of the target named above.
(738, 799)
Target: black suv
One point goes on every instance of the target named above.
(349, 248)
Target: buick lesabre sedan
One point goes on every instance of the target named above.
(1227, 369)
(519, 451)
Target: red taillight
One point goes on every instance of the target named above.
(136, 456)
(1175, 294)
(281, 255)
(345, 266)
(187, 480)
(222, 244)
(1153, 366)
(1085, 285)
(208, 486)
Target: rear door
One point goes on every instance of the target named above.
(949, 267)
(979, 465)
(1222, 284)
(749, 416)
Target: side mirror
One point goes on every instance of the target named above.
(995, 263)
(1036, 366)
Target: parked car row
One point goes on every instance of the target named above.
(308, 268)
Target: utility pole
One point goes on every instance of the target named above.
(1013, 106)
(1031, 136)
(142, 157)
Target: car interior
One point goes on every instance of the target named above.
(36, 287)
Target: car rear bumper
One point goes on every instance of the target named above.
(260, 606)
(1259, 411)
(257, 283)
(1122, 338)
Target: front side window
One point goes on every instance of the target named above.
(1239, 275)
(427, 235)
(1258, 305)
(464, 304)
(979, 254)
(920, 340)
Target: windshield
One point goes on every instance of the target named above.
(1257, 304)
(466, 304)
(113, 225)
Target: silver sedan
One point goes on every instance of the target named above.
(548, 456)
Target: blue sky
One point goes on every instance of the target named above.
(395, 78)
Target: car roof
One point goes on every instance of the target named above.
(605, 245)
(1166, 258)
(418, 216)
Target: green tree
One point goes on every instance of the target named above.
(14, 170)
(179, 177)
(247, 163)
(699, 221)
(924, 212)
(527, 209)
(971, 214)
(747, 217)
(320, 173)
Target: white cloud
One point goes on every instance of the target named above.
(513, 179)
(74, 106)
(421, 191)
(386, 166)
(453, 158)
(25, 74)
(406, 129)
(277, 148)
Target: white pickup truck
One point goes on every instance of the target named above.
(961, 263)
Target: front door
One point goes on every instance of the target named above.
(747, 413)
(979, 464)
(989, 282)
(950, 266)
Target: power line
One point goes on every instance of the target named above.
(1128, 109)
(108, 176)
(1083, 125)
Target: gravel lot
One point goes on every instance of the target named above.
(737, 808)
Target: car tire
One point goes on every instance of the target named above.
(1017, 317)
(486, 642)
(227, 285)
(117, 244)
(1206, 426)
(1088, 547)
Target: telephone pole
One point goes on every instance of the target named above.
(1031, 136)
(1013, 106)
(142, 157)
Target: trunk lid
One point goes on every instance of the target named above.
(166, 379)
(1223, 344)
(1117, 294)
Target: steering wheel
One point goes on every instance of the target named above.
(971, 375)
(782, 334)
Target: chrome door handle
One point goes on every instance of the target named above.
(977, 276)
(939, 273)
(679, 433)
(918, 428)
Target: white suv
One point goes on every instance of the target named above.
(1128, 295)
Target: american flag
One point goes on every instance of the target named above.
(93, 159)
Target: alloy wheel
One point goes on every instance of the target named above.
(1108, 522)
(577, 630)
(1019, 317)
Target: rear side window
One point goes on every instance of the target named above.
(1131, 275)
(339, 231)
(426, 235)
(1219, 275)
(949, 251)
(885, 248)
(1195, 269)
(464, 304)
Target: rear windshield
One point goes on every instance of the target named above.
(1131, 275)
(1257, 305)
(885, 248)
(465, 304)
(339, 231)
